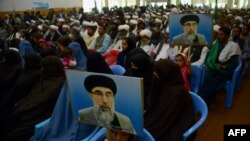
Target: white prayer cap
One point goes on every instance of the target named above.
(216, 28)
(40, 27)
(141, 19)
(41, 20)
(54, 27)
(153, 15)
(72, 19)
(146, 33)
(65, 26)
(167, 13)
(158, 14)
(174, 10)
(77, 22)
(27, 22)
(76, 28)
(123, 27)
(135, 17)
(60, 20)
(229, 15)
(93, 24)
(239, 18)
(158, 21)
(47, 21)
(85, 23)
(33, 21)
(165, 16)
(127, 16)
(134, 22)
(201, 11)
(146, 15)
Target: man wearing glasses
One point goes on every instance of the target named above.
(102, 91)
(190, 35)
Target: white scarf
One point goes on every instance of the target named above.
(230, 49)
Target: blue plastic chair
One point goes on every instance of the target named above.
(249, 70)
(39, 126)
(62, 124)
(232, 84)
(199, 107)
(195, 78)
(101, 134)
(203, 72)
(117, 69)
(239, 75)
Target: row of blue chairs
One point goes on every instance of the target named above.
(197, 78)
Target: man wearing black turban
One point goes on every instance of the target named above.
(102, 90)
(190, 35)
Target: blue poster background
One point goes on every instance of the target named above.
(128, 99)
(204, 27)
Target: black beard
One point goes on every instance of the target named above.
(235, 38)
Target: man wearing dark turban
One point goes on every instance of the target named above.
(102, 90)
(190, 35)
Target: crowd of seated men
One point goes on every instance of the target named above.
(36, 49)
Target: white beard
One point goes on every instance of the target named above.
(190, 37)
(104, 116)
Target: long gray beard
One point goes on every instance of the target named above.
(104, 116)
(190, 37)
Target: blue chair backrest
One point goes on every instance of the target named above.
(238, 72)
(117, 69)
(199, 107)
(203, 72)
(233, 84)
(62, 125)
(195, 78)
(101, 134)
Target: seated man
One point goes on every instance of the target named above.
(102, 90)
(164, 50)
(190, 35)
(221, 62)
(102, 42)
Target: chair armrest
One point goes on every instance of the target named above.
(40, 125)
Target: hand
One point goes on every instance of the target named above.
(152, 54)
(189, 58)
(222, 66)
(188, 63)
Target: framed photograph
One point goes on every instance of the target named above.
(190, 29)
(109, 101)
